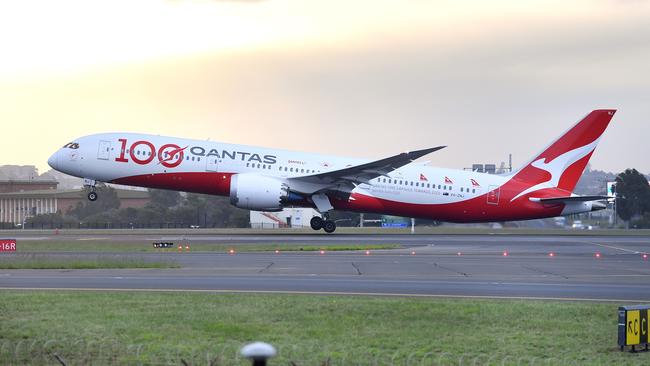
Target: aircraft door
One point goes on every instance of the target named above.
(493, 195)
(104, 150)
(211, 163)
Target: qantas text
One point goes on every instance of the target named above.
(171, 155)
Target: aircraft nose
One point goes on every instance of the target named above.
(53, 161)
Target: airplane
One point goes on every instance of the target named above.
(264, 179)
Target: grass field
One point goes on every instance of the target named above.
(104, 246)
(40, 261)
(203, 328)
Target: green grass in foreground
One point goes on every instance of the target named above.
(198, 328)
(36, 261)
(104, 246)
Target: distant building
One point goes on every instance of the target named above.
(490, 168)
(22, 185)
(16, 206)
(289, 217)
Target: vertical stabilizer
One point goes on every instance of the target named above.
(561, 164)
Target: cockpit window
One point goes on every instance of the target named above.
(71, 145)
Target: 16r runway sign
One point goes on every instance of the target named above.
(7, 245)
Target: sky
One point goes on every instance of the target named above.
(364, 78)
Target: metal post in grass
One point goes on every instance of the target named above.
(258, 352)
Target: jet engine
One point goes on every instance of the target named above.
(257, 192)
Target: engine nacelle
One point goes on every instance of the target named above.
(257, 192)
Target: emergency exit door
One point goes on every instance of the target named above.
(211, 163)
(104, 150)
(493, 195)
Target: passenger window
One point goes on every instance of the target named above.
(291, 170)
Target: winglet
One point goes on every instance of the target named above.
(414, 155)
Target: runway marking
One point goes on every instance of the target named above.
(335, 293)
(544, 272)
(617, 248)
(85, 239)
(265, 268)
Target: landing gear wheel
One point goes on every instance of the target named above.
(329, 226)
(92, 196)
(316, 223)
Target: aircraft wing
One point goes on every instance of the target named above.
(552, 200)
(363, 173)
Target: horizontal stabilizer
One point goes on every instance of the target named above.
(569, 199)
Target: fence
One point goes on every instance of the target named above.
(101, 225)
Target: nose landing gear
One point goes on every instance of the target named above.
(92, 195)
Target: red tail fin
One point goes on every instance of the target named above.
(561, 164)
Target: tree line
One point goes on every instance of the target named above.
(189, 209)
(633, 198)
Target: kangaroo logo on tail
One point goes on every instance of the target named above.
(561, 164)
(557, 166)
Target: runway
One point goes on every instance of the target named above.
(601, 268)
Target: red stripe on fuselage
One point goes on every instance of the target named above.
(473, 210)
(476, 209)
(197, 182)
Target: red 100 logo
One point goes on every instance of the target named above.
(169, 155)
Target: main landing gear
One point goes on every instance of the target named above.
(92, 195)
(318, 223)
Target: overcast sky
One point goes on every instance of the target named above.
(359, 78)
